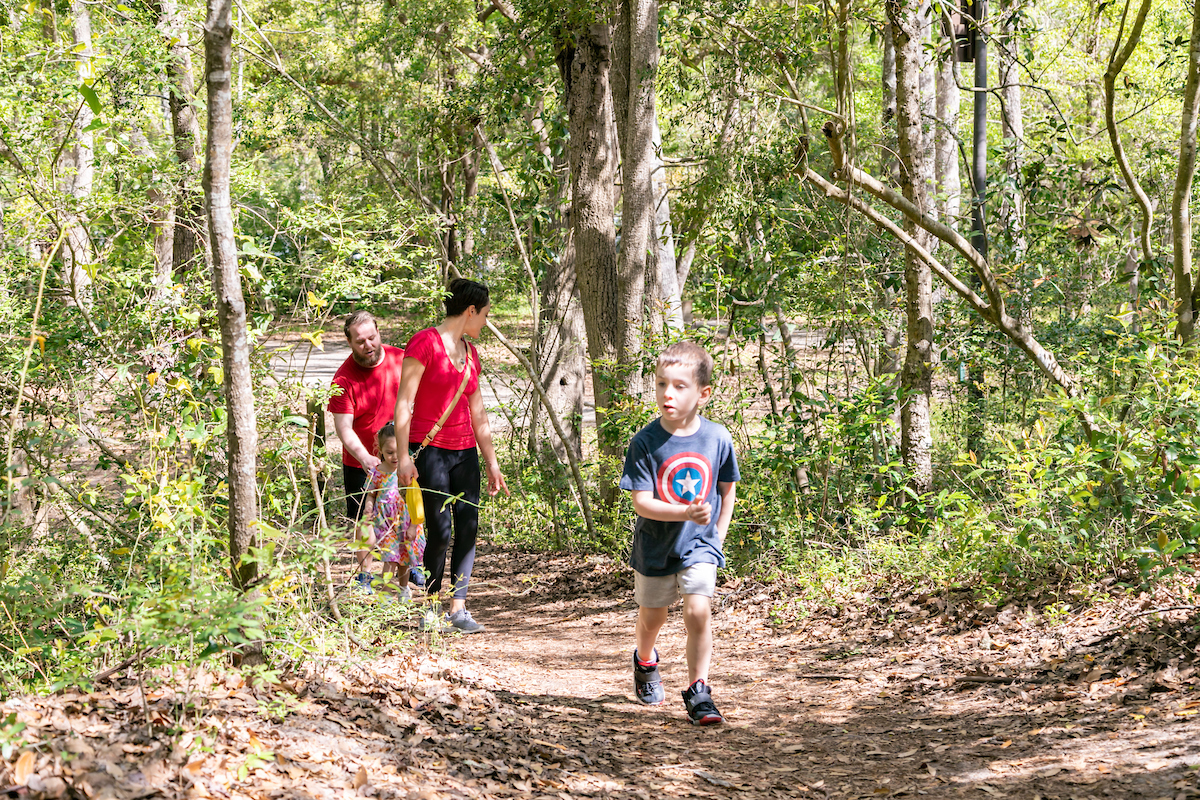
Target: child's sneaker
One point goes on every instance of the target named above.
(362, 583)
(404, 594)
(647, 683)
(700, 707)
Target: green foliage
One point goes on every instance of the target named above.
(360, 172)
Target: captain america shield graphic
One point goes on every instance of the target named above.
(684, 478)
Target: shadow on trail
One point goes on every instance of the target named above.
(898, 723)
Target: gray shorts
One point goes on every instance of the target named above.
(662, 591)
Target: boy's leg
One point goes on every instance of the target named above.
(653, 594)
(647, 682)
(697, 619)
(698, 583)
(649, 623)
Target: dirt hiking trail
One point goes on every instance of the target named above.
(890, 696)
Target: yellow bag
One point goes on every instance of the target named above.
(416, 505)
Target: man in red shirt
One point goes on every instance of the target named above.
(369, 380)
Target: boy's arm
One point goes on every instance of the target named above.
(728, 493)
(648, 506)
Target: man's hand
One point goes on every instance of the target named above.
(699, 513)
(369, 463)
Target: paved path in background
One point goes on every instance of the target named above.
(304, 363)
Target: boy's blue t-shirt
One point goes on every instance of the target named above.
(679, 470)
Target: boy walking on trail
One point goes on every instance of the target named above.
(682, 472)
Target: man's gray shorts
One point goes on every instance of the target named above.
(662, 591)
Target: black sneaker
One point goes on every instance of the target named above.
(700, 707)
(647, 682)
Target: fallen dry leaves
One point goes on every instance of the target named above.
(939, 696)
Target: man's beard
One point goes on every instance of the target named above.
(368, 364)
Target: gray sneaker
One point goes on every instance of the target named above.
(463, 621)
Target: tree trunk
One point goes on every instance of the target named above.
(189, 245)
(1091, 46)
(561, 347)
(916, 437)
(241, 424)
(669, 292)
(449, 204)
(976, 375)
(635, 65)
(949, 184)
(77, 254)
(585, 65)
(470, 190)
(1181, 215)
(888, 360)
(1117, 58)
(887, 70)
(562, 351)
(929, 96)
(1012, 128)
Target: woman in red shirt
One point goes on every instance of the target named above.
(434, 360)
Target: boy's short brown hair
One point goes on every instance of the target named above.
(691, 355)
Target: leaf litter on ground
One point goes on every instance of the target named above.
(1101, 701)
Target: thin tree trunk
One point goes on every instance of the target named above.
(446, 171)
(635, 64)
(77, 254)
(844, 72)
(1117, 59)
(1181, 215)
(189, 245)
(887, 70)
(585, 65)
(949, 184)
(563, 351)
(241, 424)
(470, 190)
(916, 376)
(1092, 93)
(976, 375)
(1012, 128)
(888, 360)
(927, 87)
(669, 293)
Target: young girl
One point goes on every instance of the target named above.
(401, 542)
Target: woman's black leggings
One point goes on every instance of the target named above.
(442, 474)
